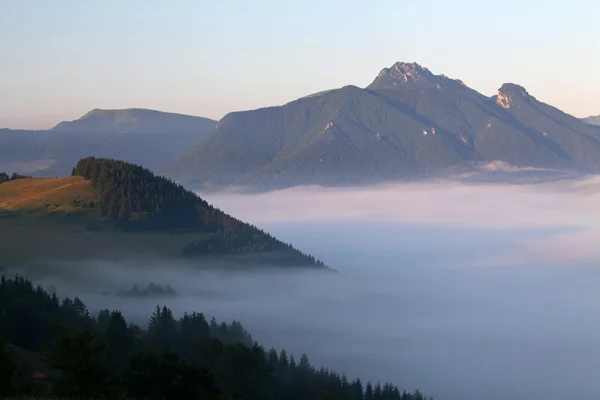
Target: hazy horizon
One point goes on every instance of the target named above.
(208, 59)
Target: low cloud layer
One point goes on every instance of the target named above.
(465, 291)
(566, 211)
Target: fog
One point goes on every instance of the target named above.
(464, 291)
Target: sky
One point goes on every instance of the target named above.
(62, 58)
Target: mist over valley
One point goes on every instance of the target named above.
(299, 200)
(460, 290)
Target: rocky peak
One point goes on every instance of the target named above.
(513, 89)
(594, 120)
(413, 75)
(508, 92)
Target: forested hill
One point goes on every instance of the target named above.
(136, 197)
(138, 200)
(75, 355)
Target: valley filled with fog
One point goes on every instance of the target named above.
(462, 290)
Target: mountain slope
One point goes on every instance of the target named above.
(151, 138)
(136, 120)
(388, 131)
(112, 209)
(595, 120)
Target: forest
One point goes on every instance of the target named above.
(103, 356)
(4, 177)
(137, 199)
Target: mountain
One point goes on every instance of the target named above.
(136, 120)
(112, 209)
(151, 138)
(413, 75)
(409, 123)
(594, 120)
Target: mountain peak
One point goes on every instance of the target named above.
(513, 88)
(413, 75)
(135, 120)
(508, 92)
(594, 120)
(408, 69)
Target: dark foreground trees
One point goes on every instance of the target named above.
(9, 371)
(187, 358)
(80, 359)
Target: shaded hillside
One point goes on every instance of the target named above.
(593, 120)
(388, 131)
(150, 138)
(113, 209)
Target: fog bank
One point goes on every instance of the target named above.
(465, 291)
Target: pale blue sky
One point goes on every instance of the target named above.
(61, 58)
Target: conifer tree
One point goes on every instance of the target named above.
(9, 371)
(79, 358)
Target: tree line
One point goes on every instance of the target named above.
(87, 356)
(137, 199)
(4, 177)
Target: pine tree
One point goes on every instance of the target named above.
(162, 329)
(283, 359)
(118, 338)
(369, 392)
(378, 393)
(9, 371)
(167, 377)
(79, 358)
(193, 329)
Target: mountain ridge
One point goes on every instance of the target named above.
(407, 130)
(134, 120)
(594, 120)
(141, 136)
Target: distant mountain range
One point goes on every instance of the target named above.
(408, 123)
(151, 138)
(593, 120)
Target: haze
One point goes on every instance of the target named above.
(61, 59)
(465, 291)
